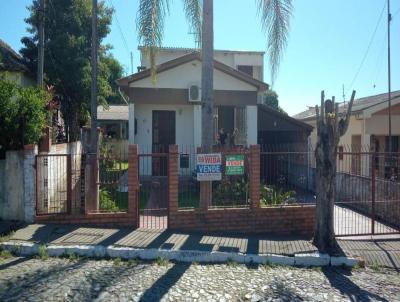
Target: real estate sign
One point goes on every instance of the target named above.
(208, 167)
(234, 164)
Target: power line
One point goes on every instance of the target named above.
(367, 51)
(119, 28)
(379, 61)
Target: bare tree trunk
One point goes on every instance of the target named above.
(329, 130)
(207, 76)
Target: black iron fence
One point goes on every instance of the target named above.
(153, 190)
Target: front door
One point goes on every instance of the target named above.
(163, 135)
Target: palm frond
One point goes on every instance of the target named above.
(150, 24)
(275, 20)
(193, 12)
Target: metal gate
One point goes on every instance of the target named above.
(153, 191)
(368, 194)
(53, 184)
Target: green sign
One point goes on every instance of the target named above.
(234, 164)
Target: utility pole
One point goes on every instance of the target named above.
(40, 66)
(131, 62)
(92, 196)
(389, 79)
(93, 98)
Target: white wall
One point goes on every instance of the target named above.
(251, 127)
(184, 75)
(232, 59)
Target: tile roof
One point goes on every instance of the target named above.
(113, 113)
(358, 106)
(9, 59)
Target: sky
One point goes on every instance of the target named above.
(331, 43)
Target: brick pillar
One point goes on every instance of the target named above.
(133, 183)
(173, 180)
(254, 176)
(29, 182)
(45, 141)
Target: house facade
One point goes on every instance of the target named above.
(166, 112)
(13, 67)
(368, 131)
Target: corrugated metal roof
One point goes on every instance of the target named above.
(358, 105)
(113, 113)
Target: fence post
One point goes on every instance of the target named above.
(205, 191)
(255, 176)
(373, 181)
(133, 183)
(173, 180)
(69, 184)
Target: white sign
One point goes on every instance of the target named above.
(208, 167)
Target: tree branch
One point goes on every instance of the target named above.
(344, 123)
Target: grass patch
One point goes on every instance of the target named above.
(43, 254)
(73, 257)
(117, 261)
(6, 237)
(160, 261)
(5, 255)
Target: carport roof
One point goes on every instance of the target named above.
(304, 126)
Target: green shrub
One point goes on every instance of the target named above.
(43, 253)
(23, 114)
(106, 202)
(231, 190)
(271, 196)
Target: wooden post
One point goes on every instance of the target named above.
(69, 184)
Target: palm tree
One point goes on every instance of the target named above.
(275, 17)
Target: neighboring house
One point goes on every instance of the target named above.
(168, 111)
(113, 122)
(368, 130)
(12, 65)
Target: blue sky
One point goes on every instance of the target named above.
(328, 41)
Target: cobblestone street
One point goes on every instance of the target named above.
(61, 279)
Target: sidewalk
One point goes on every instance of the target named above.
(375, 252)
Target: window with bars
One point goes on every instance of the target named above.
(230, 120)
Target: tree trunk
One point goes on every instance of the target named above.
(207, 76)
(330, 127)
(324, 233)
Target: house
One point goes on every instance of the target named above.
(169, 110)
(368, 130)
(113, 121)
(13, 66)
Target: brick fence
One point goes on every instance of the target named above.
(255, 219)
(275, 220)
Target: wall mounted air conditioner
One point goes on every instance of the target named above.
(194, 93)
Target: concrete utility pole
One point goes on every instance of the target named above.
(93, 99)
(92, 192)
(40, 66)
(389, 79)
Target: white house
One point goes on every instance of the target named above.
(165, 112)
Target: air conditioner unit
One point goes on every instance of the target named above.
(194, 93)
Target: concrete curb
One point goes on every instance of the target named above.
(99, 251)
